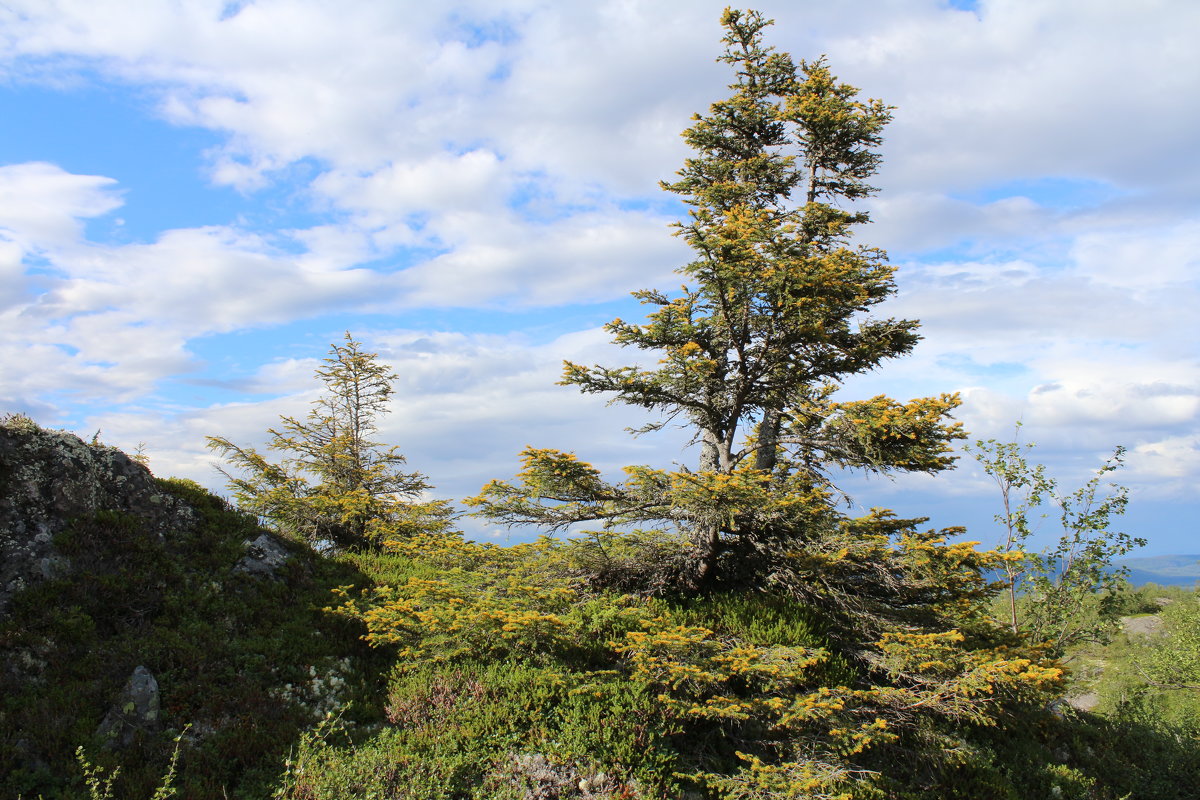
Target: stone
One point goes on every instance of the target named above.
(265, 557)
(1143, 625)
(1083, 702)
(135, 713)
(50, 478)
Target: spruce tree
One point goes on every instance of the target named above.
(772, 320)
(337, 487)
(792, 650)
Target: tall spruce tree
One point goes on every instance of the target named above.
(865, 662)
(771, 322)
(336, 487)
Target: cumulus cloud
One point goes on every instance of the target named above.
(465, 406)
(1038, 188)
(1141, 259)
(588, 257)
(42, 205)
(111, 321)
(1077, 88)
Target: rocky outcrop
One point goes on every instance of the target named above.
(133, 608)
(50, 478)
(1142, 625)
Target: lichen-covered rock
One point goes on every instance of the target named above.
(106, 568)
(135, 713)
(265, 557)
(49, 478)
(536, 777)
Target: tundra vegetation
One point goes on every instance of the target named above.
(723, 630)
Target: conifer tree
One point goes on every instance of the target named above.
(900, 666)
(337, 487)
(770, 323)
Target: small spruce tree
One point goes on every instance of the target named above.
(336, 487)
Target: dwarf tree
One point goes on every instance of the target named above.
(1070, 592)
(772, 320)
(335, 486)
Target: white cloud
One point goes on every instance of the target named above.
(41, 205)
(114, 320)
(1141, 259)
(586, 257)
(465, 405)
(473, 180)
(921, 220)
(480, 155)
(12, 274)
(1075, 88)
(1175, 460)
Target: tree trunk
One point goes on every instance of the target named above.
(707, 537)
(710, 452)
(707, 541)
(768, 437)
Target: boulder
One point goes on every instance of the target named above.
(136, 712)
(265, 557)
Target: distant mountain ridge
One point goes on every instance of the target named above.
(1170, 570)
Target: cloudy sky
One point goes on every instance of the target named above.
(197, 197)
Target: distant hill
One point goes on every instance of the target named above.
(1173, 570)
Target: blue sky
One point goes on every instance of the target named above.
(197, 197)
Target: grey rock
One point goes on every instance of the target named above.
(536, 777)
(1145, 625)
(49, 478)
(265, 557)
(1083, 702)
(135, 712)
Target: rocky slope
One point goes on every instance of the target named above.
(133, 609)
(50, 478)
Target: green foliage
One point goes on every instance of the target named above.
(741, 694)
(1141, 739)
(336, 487)
(1172, 661)
(100, 785)
(466, 732)
(1070, 592)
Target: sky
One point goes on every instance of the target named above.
(198, 197)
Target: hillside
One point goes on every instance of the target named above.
(143, 615)
(135, 610)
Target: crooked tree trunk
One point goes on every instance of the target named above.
(707, 542)
(706, 539)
